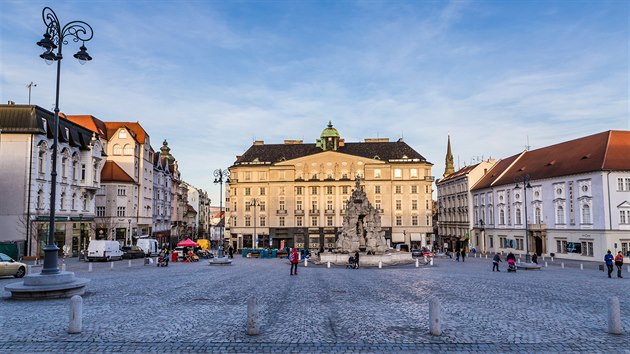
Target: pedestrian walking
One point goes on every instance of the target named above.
(608, 258)
(356, 258)
(495, 262)
(619, 263)
(230, 252)
(535, 258)
(294, 259)
(457, 255)
(463, 252)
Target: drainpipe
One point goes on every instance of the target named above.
(28, 202)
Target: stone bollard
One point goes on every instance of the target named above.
(89, 267)
(431, 262)
(543, 258)
(252, 317)
(552, 259)
(562, 265)
(328, 265)
(76, 314)
(380, 264)
(417, 263)
(435, 317)
(305, 262)
(581, 266)
(486, 256)
(545, 264)
(111, 265)
(63, 267)
(129, 264)
(614, 316)
(519, 261)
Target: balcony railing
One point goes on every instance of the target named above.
(329, 212)
(299, 211)
(314, 212)
(281, 211)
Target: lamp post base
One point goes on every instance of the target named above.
(48, 286)
(528, 258)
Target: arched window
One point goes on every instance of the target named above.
(502, 217)
(85, 202)
(519, 218)
(537, 215)
(122, 134)
(40, 199)
(41, 159)
(75, 166)
(560, 215)
(128, 150)
(62, 201)
(586, 214)
(117, 149)
(490, 216)
(74, 201)
(64, 166)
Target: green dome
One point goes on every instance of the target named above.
(330, 132)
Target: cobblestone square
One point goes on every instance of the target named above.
(192, 307)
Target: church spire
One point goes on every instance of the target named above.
(449, 169)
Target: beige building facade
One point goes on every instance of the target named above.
(294, 194)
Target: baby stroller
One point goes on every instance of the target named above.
(162, 260)
(352, 263)
(511, 265)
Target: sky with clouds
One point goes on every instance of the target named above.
(212, 76)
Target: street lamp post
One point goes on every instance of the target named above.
(221, 176)
(255, 202)
(526, 185)
(128, 240)
(54, 38)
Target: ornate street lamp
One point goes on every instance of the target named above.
(255, 202)
(526, 185)
(54, 38)
(221, 176)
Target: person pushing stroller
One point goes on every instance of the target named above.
(511, 261)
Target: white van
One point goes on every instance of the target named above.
(104, 250)
(148, 245)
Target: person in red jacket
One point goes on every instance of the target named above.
(293, 258)
(619, 263)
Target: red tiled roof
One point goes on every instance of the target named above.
(458, 173)
(90, 122)
(113, 173)
(608, 150)
(136, 129)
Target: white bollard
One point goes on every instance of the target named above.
(252, 317)
(581, 266)
(552, 259)
(111, 265)
(562, 265)
(76, 314)
(63, 267)
(417, 263)
(129, 264)
(328, 265)
(486, 256)
(305, 262)
(431, 263)
(380, 264)
(543, 258)
(545, 264)
(519, 261)
(614, 316)
(90, 267)
(29, 269)
(435, 317)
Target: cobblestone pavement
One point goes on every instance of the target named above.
(192, 307)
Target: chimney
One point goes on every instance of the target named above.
(292, 142)
(11, 103)
(259, 142)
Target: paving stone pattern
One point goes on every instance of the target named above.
(192, 307)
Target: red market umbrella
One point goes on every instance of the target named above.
(187, 243)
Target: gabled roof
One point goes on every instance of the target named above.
(604, 151)
(138, 132)
(113, 173)
(274, 153)
(92, 123)
(461, 172)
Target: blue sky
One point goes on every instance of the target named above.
(212, 76)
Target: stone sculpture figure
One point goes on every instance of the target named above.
(361, 225)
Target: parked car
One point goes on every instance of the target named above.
(10, 267)
(130, 252)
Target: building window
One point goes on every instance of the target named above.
(398, 204)
(377, 204)
(100, 211)
(314, 221)
(299, 190)
(122, 134)
(74, 201)
(262, 176)
(586, 214)
(75, 170)
(426, 204)
(413, 173)
(414, 204)
(377, 173)
(248, 191)
(281, 205)
(559, 215)
(519, 244)
(501, 217)
(40, 159)
(298, 221)
(329, 221)
(261, 205)
(428, 220)
(234, 221)
(398, 189)
(62, 201)
(117, 149)
(83, 172)
(248, 221)
(120, 211)
(314, 190)
(122, 190)
(234, 209)
(377, 189)
(298, 205)
(128, 150)
(329, 190)
(248, 176)
(623, 217)
(518, 216)
(248, 205)
(314, 205)
(64, 163)
(397, 173)
(627, 184)
(398, 220)
(329, 205)
(414, 220)
(414, 189)
(262, 190)
(263, 220)
(85, 202)
(344, 189)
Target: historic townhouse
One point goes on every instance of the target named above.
(576, 204)
(162, 193)
(294, 194)
(26, 137)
